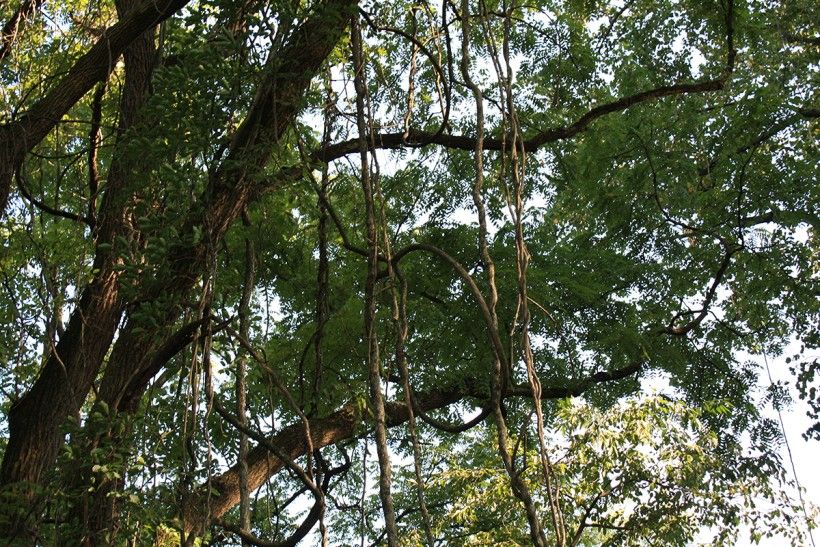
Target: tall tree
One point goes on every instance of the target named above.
(454, 217)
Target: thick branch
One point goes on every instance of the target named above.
(346, 423)
(231, 188)
(169, 348)
(304, 528)
(462, 142)
(65, 379)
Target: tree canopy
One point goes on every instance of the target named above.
(403, 272)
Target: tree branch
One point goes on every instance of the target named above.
(304, 528)
(681, 330)
(416, 137)
(21, 136)
(12, 27)
(345, 424)
(235, 183)
(45, 207)
(786, 218)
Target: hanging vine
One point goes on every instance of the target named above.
(371, 336)
(502, 370)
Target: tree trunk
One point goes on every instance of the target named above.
(71, 368)
(141, 351)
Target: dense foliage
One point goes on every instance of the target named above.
(403, 272)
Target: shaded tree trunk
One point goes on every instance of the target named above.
(141, 351)
(35, 421)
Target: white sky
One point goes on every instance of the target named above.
(804, 453)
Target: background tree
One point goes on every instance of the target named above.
(245, 241)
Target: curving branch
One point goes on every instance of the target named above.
(442, 77)
(21, 186)
(170, 347)
(417, 137)
(579, 387)
(349, 422)
(448, 427)
(711, 292)
(800, 114)
(302, 530)
(486, 312)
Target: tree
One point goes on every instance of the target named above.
(241, 237)
(642, 472)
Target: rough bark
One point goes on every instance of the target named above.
(341, 425)
(348, 422)
(140, 351)
(231, 188)
(35, 420)
(140, 354)
(66, 377)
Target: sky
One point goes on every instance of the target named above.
(804, 453)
